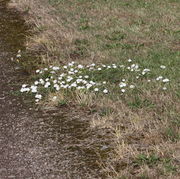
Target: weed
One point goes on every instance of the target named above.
(149, 160)
(169, 166)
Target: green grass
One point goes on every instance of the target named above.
(115, 30)
(145, 31)
(112, 31)
(150, 160)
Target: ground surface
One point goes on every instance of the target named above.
(145, 123)
(33, 145)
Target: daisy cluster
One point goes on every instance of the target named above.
(74, 76)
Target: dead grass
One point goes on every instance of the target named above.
(146, 135)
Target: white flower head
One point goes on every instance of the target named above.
(88, 85)
(54, 81)
(52, 72)
(131, 86)
(105, 91)
(36, 82)
(96, 89)
(165, 80)
(38, 96)
(93, 64)
(159, 78)
(80, 66)
(34, 89)
(47, 84)
(121, 66)
(164, 88)
(18, 55)
(122, 84)
(24, 85)
(37, 100)
(24, 90)
(41, 81)
(54, 98)
(55, 68)
(162, 67)
(37, 71)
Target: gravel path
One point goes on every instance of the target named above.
(33, 145)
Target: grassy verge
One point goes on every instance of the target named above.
(145, 121)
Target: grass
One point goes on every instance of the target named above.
(144, 123)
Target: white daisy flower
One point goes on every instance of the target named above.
(80, 66)
(38, 96)
(93, 64)
(54, 98)
(37, 71)
(24, 85)
(131, 86)
(36, 100)
(52, 72)
(121, 66)
(122, 84)
(105, 91)
(34, 89)
(70, 72)
(36, 82)
(18, 55)
(88, 86)
(165, 80)
(162, 67)
(73, 85)
(54, 81)
(55, 68)
(164, 88)
(159, 78)
(47, 84)
(96, 89)
(41, 81)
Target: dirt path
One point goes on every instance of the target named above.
(33, 144)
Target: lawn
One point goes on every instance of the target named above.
(144, 117)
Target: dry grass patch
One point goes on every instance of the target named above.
(145, 122)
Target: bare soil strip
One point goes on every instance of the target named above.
(33, 144)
